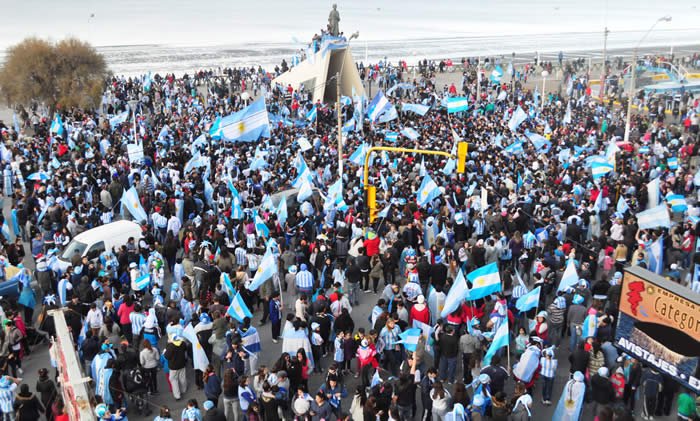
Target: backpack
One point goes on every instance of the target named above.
(135, 380)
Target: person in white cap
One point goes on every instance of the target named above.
(571, 400)
(419, 311)
(602, 391)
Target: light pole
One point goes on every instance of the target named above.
(544, 84)
(604, 71)
(630, 95)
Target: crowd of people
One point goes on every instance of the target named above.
(532, 208)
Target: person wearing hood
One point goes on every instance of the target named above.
(602, 392)
(46, 388)
(571, 401)
(522, 409)
(176, 355)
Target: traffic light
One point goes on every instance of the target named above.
(372, 203)
(462, 150)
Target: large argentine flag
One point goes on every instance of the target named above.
(246, 125)
(485, 281)
(378, 106)
(654, 217)
(518, 117)
(570, 276)
(457, 104)
(459, 291)
(238, 309)
(599, 169)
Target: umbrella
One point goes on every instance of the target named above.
(38, 176)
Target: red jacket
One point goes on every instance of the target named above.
(371, 246)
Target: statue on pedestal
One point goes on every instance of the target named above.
(333, 19)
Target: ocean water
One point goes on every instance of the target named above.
(180, 36)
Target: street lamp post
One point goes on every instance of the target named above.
(630, 95)
(544, 85)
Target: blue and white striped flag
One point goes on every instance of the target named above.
(251, 340)
(391, 136)
(248, 124)
(376, 379)
(419, 109)
(358, 157)
(677, 202)
(389, 115)
(410, 133)
(457, 104)
(528, 301)
(673, 163)
(131, 202)
(485, 281)
(599, 169)
(542, 235)
(261, 228)
(570, 276)
(409, 338)
(500, 340)
(428, 191)
(384, 212)
(349, 126)
(622, 205)
(266, 270)
(141, 283)
(378, 106)
(656, 256)
(228, 286)
(459, 291)
(654, 217)
(312, 114)
(514, 148)
(282, 212)
(238, 309)
(518, 117)
(590, 326)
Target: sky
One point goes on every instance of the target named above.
(235, 22)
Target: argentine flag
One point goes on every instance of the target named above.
(282, 212)
(410, 133)
(238, 309)
(656, 256)
(261, 228)
(130, 201)
(457, 104)
(409, 338)
(590, 326)
(226, 279)
(266, 269)
(673, 163)
(358, 157)
(199, 357)
(305, 191)
(485, 281)
(215, 129)
(311, 115)
(250, 340)
(428, 191)
(570, 276)
(528, 301)
(349, 126)
(419, 109)
(496, 74)
(514, 148)
(378, 106)
(599, 169)
(248, 124)
(654, 217)
(516, 119)
(391, 136)
(385, 212)
(677, 202)
(236, 208)
(57, 126)
(141, 283)
(622, 205)
(459, 291)
(116, 120)
(389, 115)
(500, 340)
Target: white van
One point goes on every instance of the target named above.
(92, 243)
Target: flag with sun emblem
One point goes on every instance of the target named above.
(246, 125)
(266, 269)
(485, 281)
(199, 357)
(130, 201)
(428, 191)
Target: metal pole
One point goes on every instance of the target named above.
(630, 96)
(478, 78)
(604, 70)
(340, 130)
(544, 92)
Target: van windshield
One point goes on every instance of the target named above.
(75, 247)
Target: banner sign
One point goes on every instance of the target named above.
(659, 324)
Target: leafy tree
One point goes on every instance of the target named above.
(69, 73)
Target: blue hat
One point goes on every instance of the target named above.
(578, 299)
(174, 286)
(303, 266)
(560, 302)
(5, 382)
(204, 318)
(208, 405)
(101, 410)
(438, 259)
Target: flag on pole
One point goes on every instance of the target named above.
(656, 256)
(500, 340)
(378, 106)
(282, 211)
(248, 124)
(131, 202)
(358, 157)
(654, 217)
(141, 283)
(570, 276)
(653, 188)
(677, 202)
(589, 327)
(391, 136)
(528, 301)
(457, 104)
(266, 269)
(261, 228)
(622, 205)
(485, 281)
(238, 309)
(311, 114)
(459, 291)
(199, 357)
(599, 169)
(226, 279)
(518, 117)
(409, 338)
(428, 191)
(419, 109)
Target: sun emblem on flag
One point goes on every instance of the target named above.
(241, 127)
(480, 281)
(136, 205)
(424, 193)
